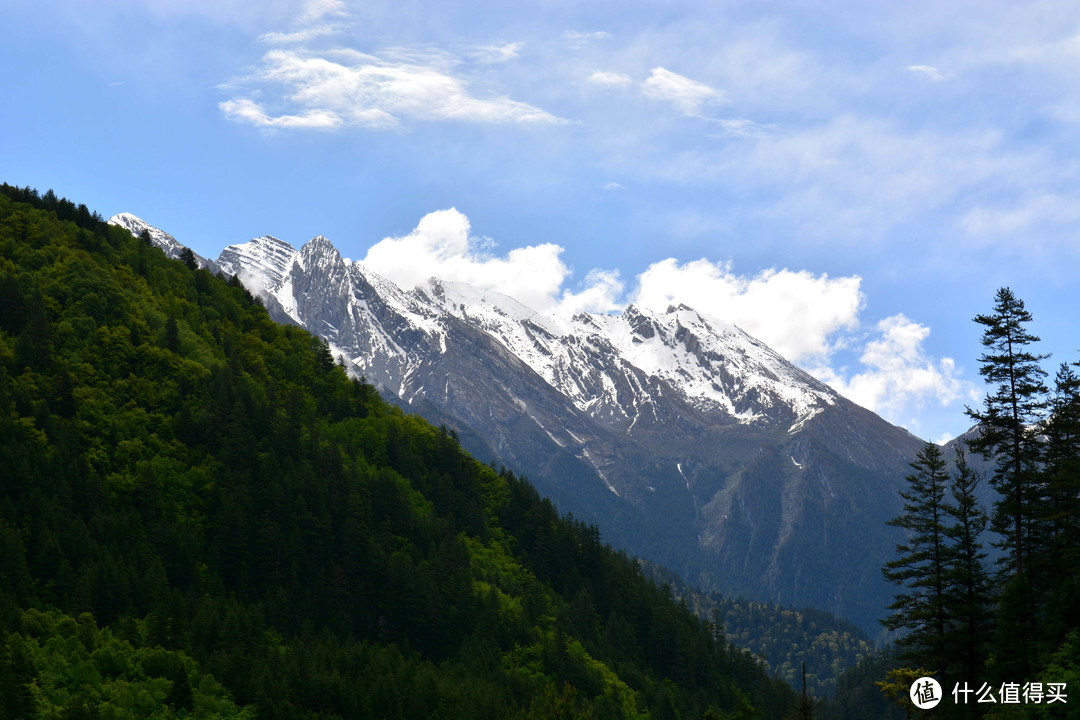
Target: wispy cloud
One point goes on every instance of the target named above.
(928, 71)
(311, 22)
(344, 87)
(578, 39)
(300, 36)
(600, 77)
(302, 87)
(1038, 215)
(249, 111)
(496, 53)
(688, 95)
(316, 10)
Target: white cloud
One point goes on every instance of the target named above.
(345, 87)
(442, 246)
(496, 53)
(688, 95)
(315, 10)
(600, 77)
(601, 292)
(798, 314)
(900, 378)
(249, 111)
(310, 23)
(579, 39)
(299, 36)
(929, 72)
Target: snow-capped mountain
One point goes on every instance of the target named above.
(683, 438)
(604, 364)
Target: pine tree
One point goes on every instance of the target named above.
(188, 258)
(1059, 509)
(921, 567)
(1009, 412)
(968, 593)
(1061, 467)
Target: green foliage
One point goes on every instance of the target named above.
(781, 638)
(232, 508)
(924, 561)
(69, 665)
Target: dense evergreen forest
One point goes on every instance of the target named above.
(202, 516)
(786, 639)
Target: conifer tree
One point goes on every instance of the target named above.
(921, 568)
(968, 593)
(1014, 405)
(1061, 467)
(188, 258)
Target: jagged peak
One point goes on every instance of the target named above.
(319, 245)
(320, 242)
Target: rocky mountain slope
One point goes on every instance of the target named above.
(686, 440)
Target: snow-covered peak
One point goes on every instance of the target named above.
(602, 362)
(712, 361)
(489, 307)
(261, 263)
(161, 239)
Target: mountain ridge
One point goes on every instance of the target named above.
(686, 440)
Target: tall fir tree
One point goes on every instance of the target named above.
(1009, 435)
(1059, 508)
(922, 563)
(188, 258)
(968, 592)
(1010, 411)
(1061, 465)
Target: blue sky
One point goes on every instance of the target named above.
(851, 182)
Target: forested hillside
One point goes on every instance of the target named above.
(202, 516)
(784, 638)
